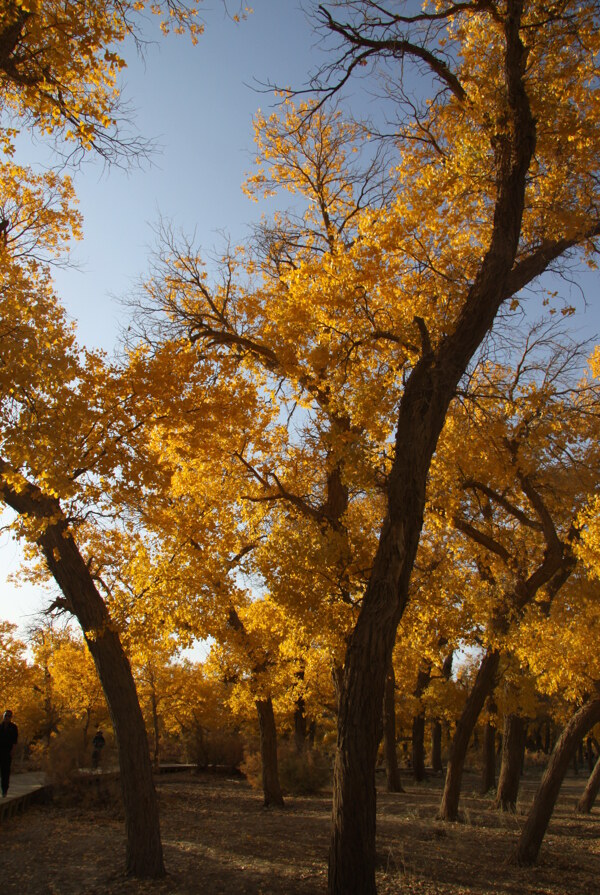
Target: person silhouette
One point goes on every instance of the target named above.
(9, 734)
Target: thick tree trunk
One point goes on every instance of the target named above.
(513, 747)
(482, 687)
(436, 748)
(268, 753)
(392, 770)
(541, 810)
(488, 774)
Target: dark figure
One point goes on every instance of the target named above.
(9, 734)
(98, 744)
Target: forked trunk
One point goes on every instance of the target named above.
(483, 686)
(586, 802)
(392, 770)
(513, 747)
(532, 835)
(268, 753)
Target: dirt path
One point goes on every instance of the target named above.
(218, 840)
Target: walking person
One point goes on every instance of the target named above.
(9, 734)
(98, 744)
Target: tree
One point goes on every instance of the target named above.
(371, 318)
(58, 77)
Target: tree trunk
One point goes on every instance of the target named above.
(144, 857)
(586, 802)
(428, 392)
(394, 784)
(541, 810)
(488, 776)
(483, 686)
(436, 748)
(513, 747)
(418, 727)
(268, 753)
(300, 730)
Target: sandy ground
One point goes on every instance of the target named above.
(219, 839)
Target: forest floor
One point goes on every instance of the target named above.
(219, 840)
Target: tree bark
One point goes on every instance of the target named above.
(586, 802)
(513, 747)
(392, 770)
(533, 832)
(482, 687)
(427, 395)
(268, 753)
(144, 857)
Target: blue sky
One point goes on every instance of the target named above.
(197, 103)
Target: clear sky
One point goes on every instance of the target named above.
(197, 103)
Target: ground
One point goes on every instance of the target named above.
(219, 840)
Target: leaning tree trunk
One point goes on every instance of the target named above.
(144, 857)
(541, 810)
(513, 747)
(483, 686)
(392, 770)
(586, 802)
(268, 753)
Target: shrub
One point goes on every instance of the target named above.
(300, 774)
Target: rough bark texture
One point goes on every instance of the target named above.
(513, 747)
(586, 802)
(144, 857)
(392, 770)
(541, 810)
(268, 753)
(423, 407)
(482, 687)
